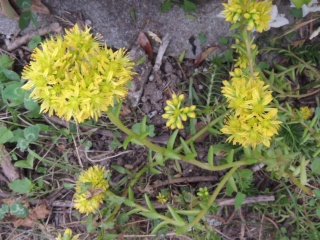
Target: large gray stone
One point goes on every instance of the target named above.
(113, 21)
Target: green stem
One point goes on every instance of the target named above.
(116, 121)
(202, 131)
(124, 194)
(212, 198)
(298, 184)
(160, 216)
(249, 53)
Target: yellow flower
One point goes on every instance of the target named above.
(306, 112)
(76, 77)
(203, 193)
(252, 121)
(90, 189)
(255, 15)
(176, 114)
(161, 198)
(67, 235)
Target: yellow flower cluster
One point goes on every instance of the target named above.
(90, 190)
(67, 235)
(242, 60)
(252, 122)
(255, 14)
(76, 77)
(176, 114)
(306, 112)
(162, 198)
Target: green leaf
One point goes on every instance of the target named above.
(158, 227)
(24, 3)
(25, 19)
(34, 42)
(223, 41)
(3, 210)
(318, 212)
(25, 163)
(175, 215)
(21, 186)
(5, 61)
(127, 141)
(155, 171)
(29, 103)
(315, 166)
(31, 133)
(159, 159)
(185, 146)
(188, 6)
(181, 230)
(122, 218)
(68, 185)
(110, 236)
(149, 203)
(299, 3)
(317, 112)
(296, 12)
(317, 193)
(181, 56)
(172, 139)
(202, 38)
(171, 154)
(22, 144)
(150, 215)
(119, 169)
(5, 135)
(130, 194)
(232, 186)
(11, 75)
(239, 200)
(133, 14)
(166, 6)
(17, 209)
(230, 156)
(13, 93)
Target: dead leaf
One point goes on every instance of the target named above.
(144, 43)
(199, 126)
(202, 56)
(154, 37)
(7, 10)
(39, 212)
(37, 6)
(125, 111)
(10, 171)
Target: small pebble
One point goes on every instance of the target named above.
(152, 114)
(88, 22)
(151, 78)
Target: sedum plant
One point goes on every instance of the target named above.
(76, 77)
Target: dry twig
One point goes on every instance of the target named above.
(53, 27)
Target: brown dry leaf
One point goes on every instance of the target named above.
(37, 6)
(144, 43)
(125, 111)
(10, 171)
(299, 43)
(199, 126)
(7, 10)
(202, 56)
(39, 212)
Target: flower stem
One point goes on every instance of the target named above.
(213, 197)
(116, 121)
(249, 53)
